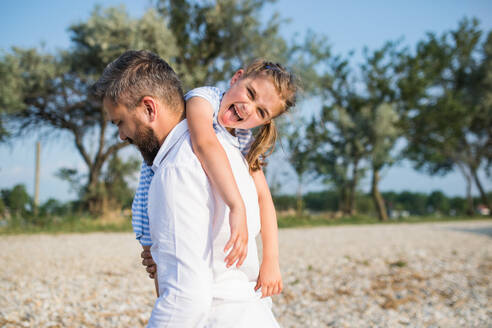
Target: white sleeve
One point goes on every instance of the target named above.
(181, 211)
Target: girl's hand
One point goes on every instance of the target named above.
(269, 279)
(239, 238)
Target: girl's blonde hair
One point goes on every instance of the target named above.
(286, 85)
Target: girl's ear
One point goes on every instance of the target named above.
(150, 108)
(236, 76)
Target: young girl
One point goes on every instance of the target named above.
(257, 95)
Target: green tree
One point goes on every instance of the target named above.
(383, 133)
(51, 207)
(299, 157)
(358, 127)
(339, 154)
(444, 91)
(284, 202)
(339, 143)
(415, 203)
(17, 200)
(438, 202)
(483, 123)
(49, 93)
(3, 209)
(10, 98)
(381, 123)
(214, 38)
(322, 201)
(458, 206)
(115, 180)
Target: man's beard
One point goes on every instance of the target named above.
(147, 142)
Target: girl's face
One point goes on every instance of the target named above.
(249, 102)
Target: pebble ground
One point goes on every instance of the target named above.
(405, 275)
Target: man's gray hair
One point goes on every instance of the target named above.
(136, 74)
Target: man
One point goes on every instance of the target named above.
(188, 220)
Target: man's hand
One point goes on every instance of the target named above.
(148, 262)
(239, 238)
(269, 279)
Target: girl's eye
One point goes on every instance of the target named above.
(251, 94)
(262, 113)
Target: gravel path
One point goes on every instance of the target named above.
(418, 275)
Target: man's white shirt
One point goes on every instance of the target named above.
(189, 227)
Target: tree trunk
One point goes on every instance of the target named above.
(93, 196)
(300, 203)
(353, 187)
(378, 199)
(469, 198)
(468, 180)
(344, 199)
(36, 179)
(483, 195)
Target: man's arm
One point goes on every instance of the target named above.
(180, 213)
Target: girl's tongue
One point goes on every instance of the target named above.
(230, 116)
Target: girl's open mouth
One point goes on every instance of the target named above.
(235, 113)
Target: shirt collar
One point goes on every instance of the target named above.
(171, 139)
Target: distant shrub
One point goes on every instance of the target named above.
(284, 202)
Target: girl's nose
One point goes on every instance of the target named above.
(122, 135)
(247, 108)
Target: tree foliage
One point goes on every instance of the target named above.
(444, 88)
(215, 38)
(115, 180)
(49, 93)
(16, 200)
(439, 95)
(381, 123)
(358, 127)
(299, 150)
(338, 141)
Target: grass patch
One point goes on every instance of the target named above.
(320, 220)
(68, 224)
(314, 221)
(122, 223)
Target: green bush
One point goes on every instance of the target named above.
(284, 202)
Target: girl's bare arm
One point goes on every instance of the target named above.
(213, 158)
(270, 279)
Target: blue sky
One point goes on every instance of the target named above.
(349, 25)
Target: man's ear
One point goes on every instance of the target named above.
(150, 108)
(236, 77)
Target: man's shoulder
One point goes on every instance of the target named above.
(180, 169)
(181, 154)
